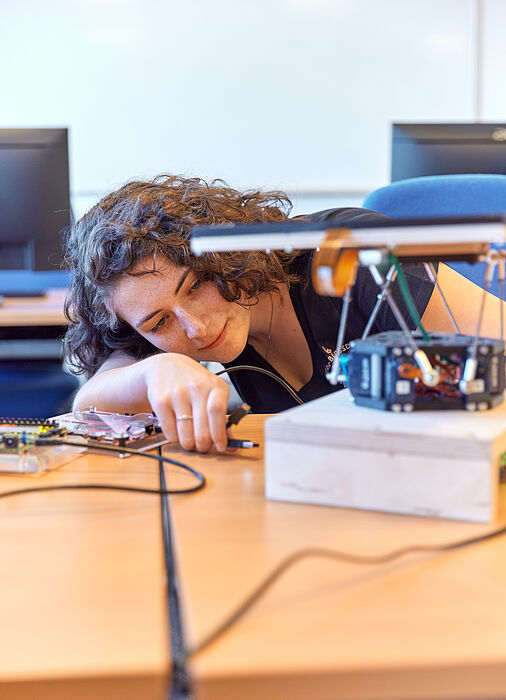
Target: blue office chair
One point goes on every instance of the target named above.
(442, 196)
(35, 389)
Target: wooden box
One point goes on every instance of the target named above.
(441, 464)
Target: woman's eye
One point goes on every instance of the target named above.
(195, 286)
(158, 325)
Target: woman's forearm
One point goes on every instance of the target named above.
(119, 389)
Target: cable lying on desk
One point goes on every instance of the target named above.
(110, 487)
(180, 676)
(335, 555)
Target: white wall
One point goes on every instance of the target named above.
(295, 94)
(494, 60)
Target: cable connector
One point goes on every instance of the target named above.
(238, 414)
(233, 419)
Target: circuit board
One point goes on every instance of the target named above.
(140, 431)
(21, 433)
(19, 452)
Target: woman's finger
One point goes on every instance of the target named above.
(167, 419)
(183, 416)
(203, 440)
(217, 402)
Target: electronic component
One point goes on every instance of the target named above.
(141, 431)
(241, 444)
(233, 419)
(382, 372)
(18, 450)
(18, 432)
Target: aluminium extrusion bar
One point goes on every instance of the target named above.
(298, 235)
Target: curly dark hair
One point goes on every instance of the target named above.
(147, 219)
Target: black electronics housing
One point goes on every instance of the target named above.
(382, 373)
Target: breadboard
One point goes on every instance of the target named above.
(35, 460)
(442, 464)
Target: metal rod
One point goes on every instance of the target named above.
(430, 375)
(334, 375)
(474, 348)
(500, 267)
(391, 275)
(431, 271)
(378, 278)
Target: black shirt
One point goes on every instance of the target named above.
(319, 319)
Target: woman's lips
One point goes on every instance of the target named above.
(219, 340)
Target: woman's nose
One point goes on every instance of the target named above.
(193, 324)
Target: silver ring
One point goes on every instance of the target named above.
(184, 416)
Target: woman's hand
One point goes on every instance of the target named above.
(189, 401)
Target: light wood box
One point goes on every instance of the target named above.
(442, 464)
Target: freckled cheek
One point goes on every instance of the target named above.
(170, 341)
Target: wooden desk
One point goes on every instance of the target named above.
(31, 327)
(34, 311)
(430, 626)
(83, 608)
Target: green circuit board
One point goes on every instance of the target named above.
(17, 434)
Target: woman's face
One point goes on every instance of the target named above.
(179, 313)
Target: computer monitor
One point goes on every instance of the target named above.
(443, 149)
(34, 198)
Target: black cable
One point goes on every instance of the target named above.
(91, 487)
(110, 487)
(284, 384)
(336, 555)
(180, 677)
(126, 450)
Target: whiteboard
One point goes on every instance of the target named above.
(295, 94)
(494, 61)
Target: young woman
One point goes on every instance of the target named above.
(144, 312)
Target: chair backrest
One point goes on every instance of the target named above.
(441, 196)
